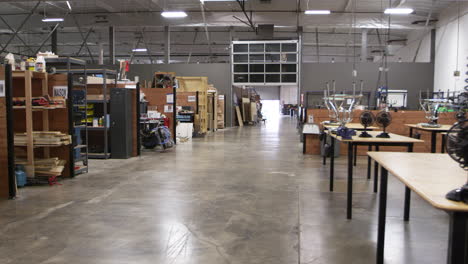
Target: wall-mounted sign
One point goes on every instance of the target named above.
(168, 108)
(170, 98)
(192, 98)
(61, 91)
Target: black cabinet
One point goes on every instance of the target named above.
(121, 123)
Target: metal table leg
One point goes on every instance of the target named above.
(433, 141)
(410, 132)
(332, 163)
(444, 142)
(382, 216)
(355, 155)
(407, 204)
(325, 153)
(376, 172)
(406, 214)
(458, 235)
(350, 181)
(369, 162)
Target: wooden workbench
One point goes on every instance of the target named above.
(394, 141)
(433, 131)
(431, 176)
(398, 126)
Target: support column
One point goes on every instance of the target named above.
(101, 54)
(53, 42)
(433, 45)
(364, 45)
(111, 45)
(167, 45)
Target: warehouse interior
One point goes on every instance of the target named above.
(234, 131)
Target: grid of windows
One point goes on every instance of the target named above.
(265, 62)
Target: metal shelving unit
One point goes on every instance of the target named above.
(105, 129)
(75, 68)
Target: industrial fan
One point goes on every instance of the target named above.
(457, 148)
(367, 118)
(383, 120)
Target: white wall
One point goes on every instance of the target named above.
(288, 94)
(408, 52)
(268, 92)
(446, 49)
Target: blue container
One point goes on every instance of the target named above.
(21, 178)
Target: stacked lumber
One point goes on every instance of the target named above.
(46, 167)
(44, 139)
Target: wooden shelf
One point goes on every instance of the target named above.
(99, 155)
(37, 108)
(40, 145)
(35, 75)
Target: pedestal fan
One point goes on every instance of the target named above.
(383, 120)
(367, 119)
(457, 148)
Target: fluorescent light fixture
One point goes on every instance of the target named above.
(52, 19)
(219, 1)
(174, 14)
(398, 11)
(317, 12)
(139, 50)
(69, 5)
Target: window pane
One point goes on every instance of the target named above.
(288, 68)
(257, 68)
(273, 78)
(288, 78)
(273, 48)
(241, 68)
(241, 78)
(257, 58)
(291, 58)
(289, 47)
(257, 47)
(241, 58)
(272, 57)
(257, 78)
(272, 68)
(241, 47)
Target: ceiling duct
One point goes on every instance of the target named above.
(265, 31)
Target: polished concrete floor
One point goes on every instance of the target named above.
(240, 196)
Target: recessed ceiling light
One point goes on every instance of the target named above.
(139, 50)
(398, 11)
(52, 19)
(174, 14)
(317, 12)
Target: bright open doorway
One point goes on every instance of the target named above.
(271, 109)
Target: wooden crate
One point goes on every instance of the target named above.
(200, 85)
